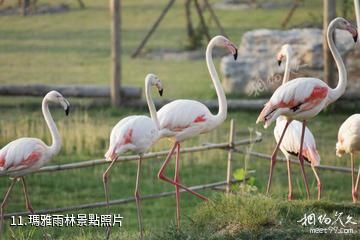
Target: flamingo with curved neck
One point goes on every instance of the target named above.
(303, 98)
(291, 144)
(25, 155)
(137, 134)
(183, 119)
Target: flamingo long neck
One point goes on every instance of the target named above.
(221, 115)
(337, 92)
(56, 140)
(150, 103)
(287, 68)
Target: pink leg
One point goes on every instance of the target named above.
(176, 180)
(27, 199)
(106, 189)
(273, 157)
(353, 186)
(301, 159)
(138, 198)
(3, 204)
(164, 178)
(357, 181)
(318, 181)
(290, 196)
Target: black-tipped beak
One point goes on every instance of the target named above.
(355, 38)
(67, 110)
(279, 62)
(161, 92)
(235, 54)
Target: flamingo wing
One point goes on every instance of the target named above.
(183, 114)
(22, 154)
(349, 135)
(291, 141)
(294, 97)
(133, 133)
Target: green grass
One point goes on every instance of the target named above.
(260, 217)
(73, 48)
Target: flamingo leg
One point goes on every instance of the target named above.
(353, 189)
(176, 180)
(138, 198)
(318, 181)
(357, 180)
(26, 194)
(106, 190)
(164, 178)
(301, 159)
(273, 156)
(290, 196)
(3, 204)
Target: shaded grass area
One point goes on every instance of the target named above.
(259, 217)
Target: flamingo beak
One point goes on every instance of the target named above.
(352, 29)
(235, 54)
(279, 62)
(67, 110)
(355, 37)
(161, 92)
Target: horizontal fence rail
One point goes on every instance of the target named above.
(118, 201)
(91, 163)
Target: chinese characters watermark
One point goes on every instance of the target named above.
(68, 220)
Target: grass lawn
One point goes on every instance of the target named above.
(73, 48)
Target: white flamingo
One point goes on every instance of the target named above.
(134, 133)
(303, 98)
(349, 142)
(291, 140)
(183, 119)
(25, 155)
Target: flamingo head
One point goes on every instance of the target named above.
(284, 52)
(344, 24)
(222, 41)
(155, 81)
(339, 149)
(56, 97)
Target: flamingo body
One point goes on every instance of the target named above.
(183, 119)
(349, 136)
(22, 156)
(301, 98)
(134, 133)
(291, 141)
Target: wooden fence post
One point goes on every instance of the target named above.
(329, 66)
(230, 156)
(115, 52)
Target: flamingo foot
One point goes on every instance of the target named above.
(290, 196)
(319, 191)
(354, 195)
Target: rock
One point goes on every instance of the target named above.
(256, 69)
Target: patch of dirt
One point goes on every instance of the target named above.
(38, 10)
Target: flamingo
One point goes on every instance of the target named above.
(134, 133)
(183, 119)
(349, 142)
(290, 144)
(25, 155)
(303, 98)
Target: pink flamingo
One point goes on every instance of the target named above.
(303, 98)
(291, 140)
(26, 155)
(134, 133)
(183, 119)
(349, 142)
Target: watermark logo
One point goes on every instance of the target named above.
(339, 223)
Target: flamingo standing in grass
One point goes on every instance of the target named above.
(291, 140)
(134, 133)
(303, 98)
(183, 119)
(349, 142)
(25, 155)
